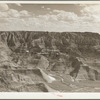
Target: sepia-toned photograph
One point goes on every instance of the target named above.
(49, 48)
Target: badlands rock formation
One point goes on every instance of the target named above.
(49, 61)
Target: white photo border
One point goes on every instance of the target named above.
(51, 95)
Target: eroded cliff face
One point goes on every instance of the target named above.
(36, 61)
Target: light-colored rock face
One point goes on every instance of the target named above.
(43, 63)
(82, 74)
(4, 52)
(48, 62)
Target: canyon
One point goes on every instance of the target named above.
(36, 61)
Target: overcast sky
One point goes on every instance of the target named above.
(50, 17)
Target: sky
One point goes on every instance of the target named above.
(50, 17)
